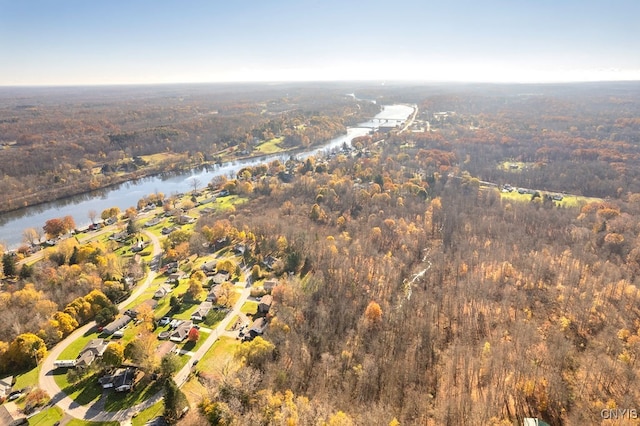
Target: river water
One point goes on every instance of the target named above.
(125, 195)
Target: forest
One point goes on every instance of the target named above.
(412, 287)
(56, 142)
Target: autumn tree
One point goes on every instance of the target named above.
(256, 352)
(175, 401)
(195, 289)
(26, 351)
(92, 214)
(373, 314)
(169, 365)
(54, 227)
(194, 335)
(109, 213)
(30, 236)
(114, 354)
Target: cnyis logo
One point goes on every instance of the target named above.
(619, 413)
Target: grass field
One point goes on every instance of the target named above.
(150, 413)
(567, 201)
(73, 350)
(122, 400)
(249, 307)
(270, 146)
(84, 392)
(27, 378)
(219, 356)
(47, 417)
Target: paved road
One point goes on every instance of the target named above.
(46, 380)
(220, 330)
(96, 411)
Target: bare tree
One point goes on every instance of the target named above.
(92, 216)
(195, 183)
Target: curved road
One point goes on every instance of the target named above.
(46, 380)
(96, 411)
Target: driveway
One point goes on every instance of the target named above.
(47, 382)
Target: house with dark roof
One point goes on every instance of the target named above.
(92, 350)
(175, 277)
(116, 324)
(258, 327)
(202, 311)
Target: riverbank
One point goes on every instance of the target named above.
(124, 190)
(108, 181)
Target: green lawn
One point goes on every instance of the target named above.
(567, 201)
(84, 392)
(191, 347)
(270, 146)
(232, 323)
(73, 350)
(47, 417)
(150, 413)
(506, 166)
(27, 378)
(186, 311)
(122, 400)
(220, 354)
(148, 293)
(249, 307)
(225, 203)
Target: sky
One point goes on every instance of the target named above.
(85, 42)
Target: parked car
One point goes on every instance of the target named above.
(164, 321)
(15, 395)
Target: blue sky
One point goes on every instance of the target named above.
(69, 42)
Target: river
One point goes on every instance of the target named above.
(125, 195)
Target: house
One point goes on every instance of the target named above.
(269, 262)
(208, 210)
(152, 222)
(265, 304)
(116, 324)
(209, 267)
(268, 285)
(214, 294)
(127, 380)
(175, 277)
(183, 219)
(120, 236)
(152, 304)
(162, 292)
(5, 386)
(202, 311)
(167, 231)
(165, 348)
(258, 327)
(10, 415)
(181, 332)
(221, 277)
(94, 349)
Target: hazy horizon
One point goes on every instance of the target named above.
(77, 43)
